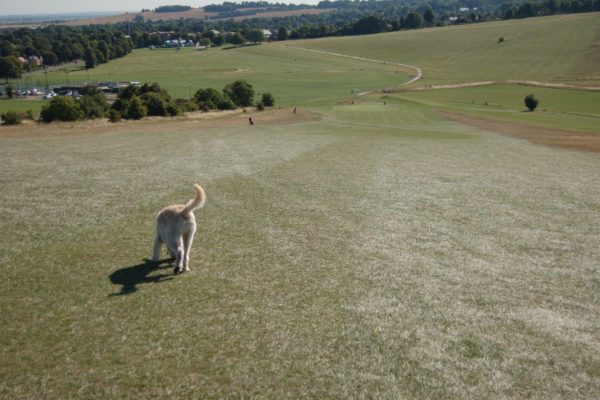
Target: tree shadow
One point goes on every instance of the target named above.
(130, 277)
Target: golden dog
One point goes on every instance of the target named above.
(175, 227)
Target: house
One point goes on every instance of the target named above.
(267, 33)
(35, 61)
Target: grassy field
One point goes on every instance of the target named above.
(367, 251)
(558, 108)
(561, 48)
(362, 250)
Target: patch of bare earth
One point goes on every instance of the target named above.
(534, 134)
(194, 121)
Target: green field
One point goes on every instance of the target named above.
(558, 108)
(366, 250)
(561, 48)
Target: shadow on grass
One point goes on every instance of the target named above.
(130, 277)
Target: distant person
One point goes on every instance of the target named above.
(294, 110)
(250, 121)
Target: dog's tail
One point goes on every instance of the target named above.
(197, 201)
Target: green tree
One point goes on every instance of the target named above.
(413, 20)
(282, 33)
(240, 92)
(237, 39)
(256, 36)
(428, 16)
(531, 102)
(368, 25)
(10, 68)
(90, 58)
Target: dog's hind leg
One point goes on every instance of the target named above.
(188, 239)
(177, 247)
(156, 250)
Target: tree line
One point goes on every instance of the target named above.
(26, 49)
(139, 101)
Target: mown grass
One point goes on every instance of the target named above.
(552, 49)
(376, 252)
(558, 108)
(294, 79)
(370, 251)
(20, 105)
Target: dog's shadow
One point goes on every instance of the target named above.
(130, 277)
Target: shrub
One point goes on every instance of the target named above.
(186, 105)
(226, 104)
(240, 92)
(129, 92)
(11, 118)
(114, 116)
(172, 109)
(155, 104)
(10, 92)
(120, 105)
(260, 107)
(205, 108)
(209, 97)
(267, 99)
(531, 102)
(62, 108)
(136, 109)
(93, 105)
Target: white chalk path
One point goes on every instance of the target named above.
(418, 70)
(419, 75)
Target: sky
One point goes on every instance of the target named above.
(22, 7)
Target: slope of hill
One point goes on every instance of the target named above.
(564, 48)
(198, 13)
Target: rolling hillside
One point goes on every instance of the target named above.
(564, 48)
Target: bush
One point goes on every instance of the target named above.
(10, 92)
(136, 109)
(120, 105)
(187, 105)
(62, 108)
(11, 118)
(155, 104)
(260, 107)
(267, 99)
(240, 92)
(531, 102)
(114, 116)
(172, 109)
(94, 105)
(209, 97)
(226, 104)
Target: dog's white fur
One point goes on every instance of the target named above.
(175, 227)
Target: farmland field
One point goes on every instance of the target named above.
(366, 250)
